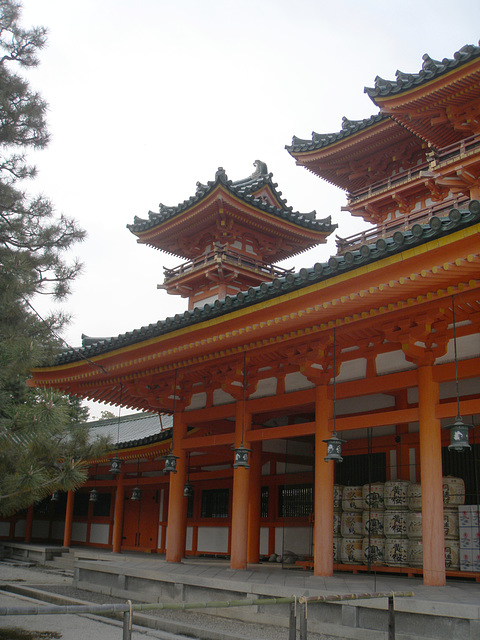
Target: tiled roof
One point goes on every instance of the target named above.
(135, 430)
(430, 69)
(437, 227)
(243, 189)
(320, 140)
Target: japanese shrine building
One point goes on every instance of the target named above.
(380, 344)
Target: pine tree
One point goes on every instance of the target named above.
(43, 437)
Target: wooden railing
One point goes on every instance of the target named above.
(225, 256)
(385, 229)
(457, 150)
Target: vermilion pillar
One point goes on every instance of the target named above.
(118, 519)
(254, 505)
(177, 505)
(324, 480)
(28, 524)
(67, 532)
(431, 480)
(241, 481)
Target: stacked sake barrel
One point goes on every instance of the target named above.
(373, 517)
(395, 522)
(351, 542)
(453, 495)
(337, 522)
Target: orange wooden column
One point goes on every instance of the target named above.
(28, 524)
(118, 518)
(431, 480)
(67, 532)
(241, 482)
(177, 505)
(324, 479)
(254, 504)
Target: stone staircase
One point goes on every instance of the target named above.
(63, 563)
(55, 558)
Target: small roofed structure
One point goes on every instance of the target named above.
(231, 234)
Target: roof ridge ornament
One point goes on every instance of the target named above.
(221, 175)
(261, 171)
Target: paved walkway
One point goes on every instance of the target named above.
(457, 591)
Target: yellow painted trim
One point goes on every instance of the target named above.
(277, 301)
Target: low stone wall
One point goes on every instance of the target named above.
(362, 620)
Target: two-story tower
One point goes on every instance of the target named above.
(230, 235)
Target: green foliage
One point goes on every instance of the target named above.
(43, 436)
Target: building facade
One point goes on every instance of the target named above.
(378, 347)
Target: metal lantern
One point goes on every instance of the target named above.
(459, 436)
(93, 495)
(334, 448)
(187, 490)
(115, 465)
(170, 463)
(241, 457)
(55, 496)
(137, 494)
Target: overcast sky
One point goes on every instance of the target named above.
(148, 97)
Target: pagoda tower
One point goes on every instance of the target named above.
(230, 234)
(417, 157)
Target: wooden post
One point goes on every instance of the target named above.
(324, 479)
(431, 480)
(118, 517)
(67, 532)
(292, 627)
(303, 621)
(391, 618)
(254, 505)
(241, 478)
(177, 505)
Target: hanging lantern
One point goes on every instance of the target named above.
(115, 465)
(187, 490)
(334, 448)
(137, 494)
(55, 496)
(241, 457)
(93, 495)
(459, 436)
(170, 463)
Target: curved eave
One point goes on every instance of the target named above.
(335, 162)
(399, 93)
(295, 227)
(272, 313)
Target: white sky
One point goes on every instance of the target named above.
(148, 98)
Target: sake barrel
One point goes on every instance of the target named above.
(452, 555)
(395, 494)
(395, 524)
(415, 553)
(352, 525)
(351, 551)
(337, 497)
(337, 523)
(414, 525)
(396, 552)
(352, 499)
(450, 522)
(373, 550)
(414, 496)
(373, 495)
(337, 543)
(373, 523)
(453, 491)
